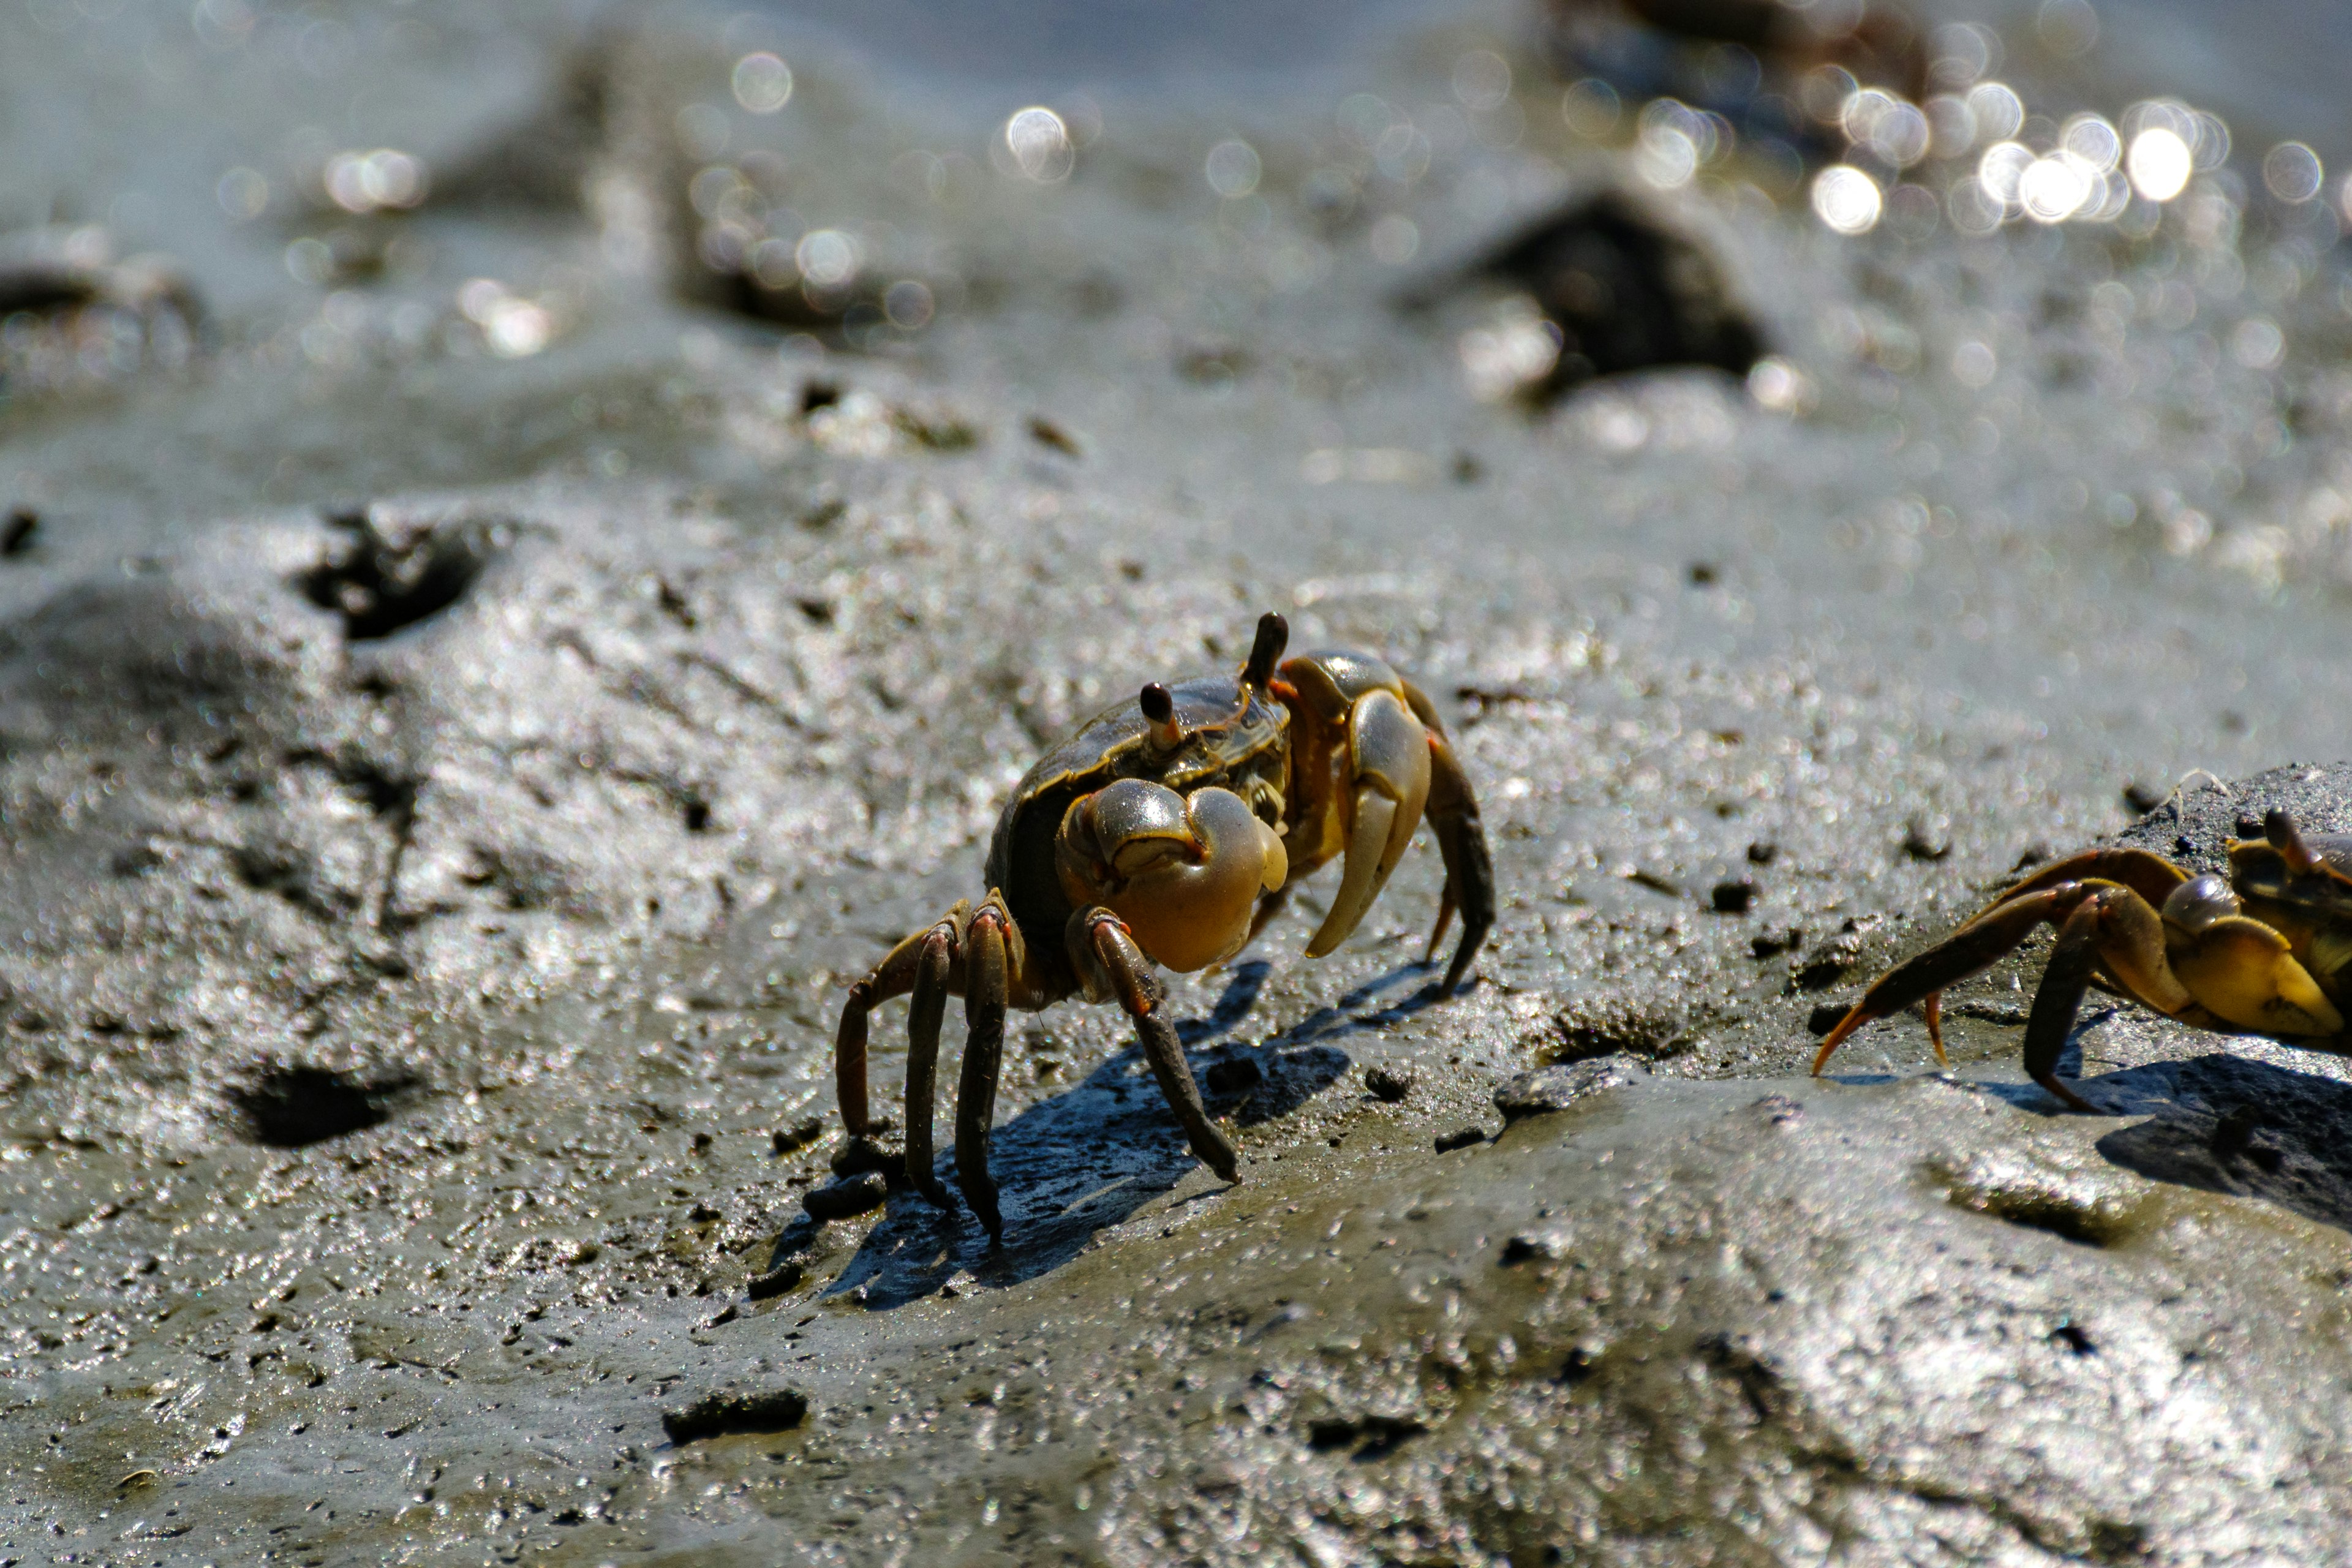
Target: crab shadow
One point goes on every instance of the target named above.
(2218, 1123)
(1084, 1159)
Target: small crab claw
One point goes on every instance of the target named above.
(1184, 872)
(1387, 756)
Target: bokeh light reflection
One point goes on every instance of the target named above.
(1846, 199)
(1040, 145)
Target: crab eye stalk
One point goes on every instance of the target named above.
(1159, 713)
(2288, 839)
(1265, 653)
(1184, 872)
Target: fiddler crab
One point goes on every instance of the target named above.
(1165, 833)
(2265, 951)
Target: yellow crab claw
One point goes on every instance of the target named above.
(1184, 872)
(1387, 755)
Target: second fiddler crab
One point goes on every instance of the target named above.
(1165, 834)
(2265, 951)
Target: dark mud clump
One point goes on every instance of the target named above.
(294, 1106)
(1627, 293)
(381, 582)
(731, 1411)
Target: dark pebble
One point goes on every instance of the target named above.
(1825, 970)
(1927, 841)
(860, 1155)
(1825, 1016)
(1778, 941)
(2141, 799)
(1543, 1091)
(844, 1199)
(716, 1415)
(16, 533)
(800, 1135)
(1734, 897)
(775, 1282)
(1389, 1083)
(1763, 852)
(1233, 1076)
(1449, 1141)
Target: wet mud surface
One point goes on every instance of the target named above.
(468, 714)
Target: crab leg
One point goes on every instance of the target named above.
(1129, 977)
(1453, 812)
(987, 986)
(2150, 875)
(926, 1009)
(2060, 998)
(1975, 947)
(894, 976)
(2130, 943)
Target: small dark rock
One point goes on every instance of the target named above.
(860, 1155)
(732, 1410)
(1702, 573)
(1776, 942)
(1608, 1026)
(1626, 292)
(16, 533)
(1547, 1089)
(2140, 799)
(1763, 852)
(775, 1281)
(1734, 897)
(1925, 840)
(2070, 1335)
(1529, 1245)
(1236, 1075)
(845, 1198)
(1824, 1017)
(1448, 1142)
(1046, 432)
(1827, 967)
(1579, 1365)
(798, 1136)
(1391, 1084)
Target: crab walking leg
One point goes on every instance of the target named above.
(2126, 937)
(2150, 875)
(1469, 874)
(1978, 945)
(987, 987)
(2131, 944)
(929, 1007)
(1389, 769)
(894, 976)
(2060, 998)
(1138, 991)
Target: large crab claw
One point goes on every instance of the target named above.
(1362, 750)
(1387, 756)
(1184, 872)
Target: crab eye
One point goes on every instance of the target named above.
(2199, 901)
